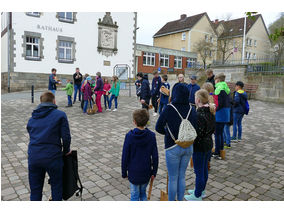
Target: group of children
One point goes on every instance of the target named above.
(99, 88)
(214, 110)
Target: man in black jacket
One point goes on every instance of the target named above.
(77, 83)
(145, 90)
(210, 77)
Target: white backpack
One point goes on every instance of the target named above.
(187, 133)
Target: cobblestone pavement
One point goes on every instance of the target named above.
(253, 169)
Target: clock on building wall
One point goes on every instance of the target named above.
(107, 39)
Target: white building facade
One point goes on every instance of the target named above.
(94, 42)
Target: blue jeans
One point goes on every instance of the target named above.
(69, 100)
(138, 192)
(219, 140)
(76, 88)
(227, 135)
(237, 125)
(161, 107)
(106, 100)
(86, 105)
(177, 160)
(110, 101)
(53, 91)
(200, 164)
(36, 179)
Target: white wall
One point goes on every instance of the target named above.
(4, 53)
(85, 32)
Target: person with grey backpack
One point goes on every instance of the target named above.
(178, 122)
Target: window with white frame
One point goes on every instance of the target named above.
(254, 56)
(178, 62)
(65, 16)
(164, 60)
(32, 47)
(247, 55)
(182, 49)
(36, 14)
(206, 38)
(149, 59)
(190, 62)
(255, 43)
(250, 41)
(211, 39)
(65, 51)
(183, 36)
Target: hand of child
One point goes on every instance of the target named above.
(142, 101)
(68, 153)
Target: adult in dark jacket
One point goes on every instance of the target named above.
(99, 90)
(77, 77)
(46, 128)
(52, 81)
(210, 77)
(145, 91)
(140, 159)
(193, 87)
(155, 91)
(240, 98)
(202, 144)
(177, 158)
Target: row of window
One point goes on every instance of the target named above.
(149, 60)
(62, 16)
(250, 55)
(33, 48)
(250, 41)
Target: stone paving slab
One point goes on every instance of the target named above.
(252, 170)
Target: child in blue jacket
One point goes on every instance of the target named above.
(139, 156)
(240, 98)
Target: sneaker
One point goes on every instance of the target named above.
(108, 109)
(155, 114)
(192, 197)
(227, 146)
(233, 139)
(191, 191)
(239, 140)
(114, 110)
(217, 157)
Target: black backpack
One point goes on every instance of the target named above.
(71, 177)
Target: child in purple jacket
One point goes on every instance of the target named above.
(87, 94)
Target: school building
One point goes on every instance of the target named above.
(166, 61)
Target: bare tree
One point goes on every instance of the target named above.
(205, 49)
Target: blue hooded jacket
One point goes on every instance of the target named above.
(192, 88)
(46, 128)
(240, 98)
(52, 83)
(145, 88)
(180, 99)
(139, 156)
(156, 85)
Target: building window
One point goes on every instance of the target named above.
(178, 62)
(183, 36)
(211, 39)
(65, 49)
(255, 43)
(206, 38)
(149, 59)
(35, 14)
(164, 60)
(254, 56)
(32, 45)
(191, 62)
(247, 55)
(182, 49)
(250, 41)
(66, 17)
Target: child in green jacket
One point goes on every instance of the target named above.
(114, 91)
(69, 91)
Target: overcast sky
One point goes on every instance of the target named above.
(150, 22)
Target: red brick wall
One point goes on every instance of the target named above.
(150, 69)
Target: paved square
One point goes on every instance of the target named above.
(253, 169)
